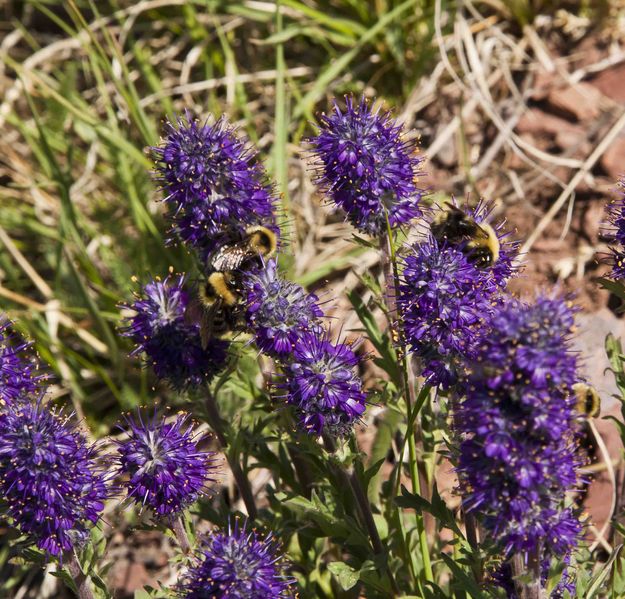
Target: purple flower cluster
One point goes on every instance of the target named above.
(237, 564)
(168, 342)
(616, 220)
(501, 576)
(444, 299)
(165, 468)
(17, 372)
(279, 311)
(49, 477)
(212, 182)
(321, 383)
(367, 168)
(518, 454)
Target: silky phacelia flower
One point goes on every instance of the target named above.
(500, 575)
(165, 467)
(237, 564)
(366, 167)
(212, 182)
(18, 377)
(518, 452)
(167, 340)
(50, 480)
(616, 221)
(469, 230)
(444, 299)
(279, 311)
(321, 383)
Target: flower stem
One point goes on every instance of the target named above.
(83, 588)
(391, 274)
(350, 479)
(533, 588)
(219, 426)
(177, 527)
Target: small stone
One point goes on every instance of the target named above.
(613, 160)
(536, 121)
(611, 83)
(581, 102)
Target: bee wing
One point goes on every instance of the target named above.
(194, 311)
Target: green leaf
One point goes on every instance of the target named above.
(345, 574)
(437, 508)
(597, 582)
(462, 579)
(337, 66)
(615, 287)
(381, 341)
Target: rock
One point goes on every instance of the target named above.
(613, 159)
(581, 102)
(543, 83)
(598, 501)
(593, 328)
(611, 83)
(535, 121)
(574, 141)
(136, 577)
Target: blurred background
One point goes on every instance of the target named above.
(521, 102)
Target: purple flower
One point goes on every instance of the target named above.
(616, 221)
(321, 383)
(237, 564)
(444, 300)
(169, 343)
(165, 468)
(501, 575)
(279, 311)
(17, 370)
(518, 452)
(49, 477)
(212, 183)
(366, 167)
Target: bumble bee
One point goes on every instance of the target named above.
(478, 241)
(215, 307)
(588, 400)
(259, 242)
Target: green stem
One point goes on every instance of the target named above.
(391, 273)
(177, 527)
(83, 588)
(219, 426)
(349, 478)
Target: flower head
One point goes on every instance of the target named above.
(166, 469)
(279, 311)
(168, 342)
(323, 387)
(17, 370)
(212, 182)
(49, 477)
(366, 167)
(518, 454)
(616, 221)
(444, 299)
(237, 564)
